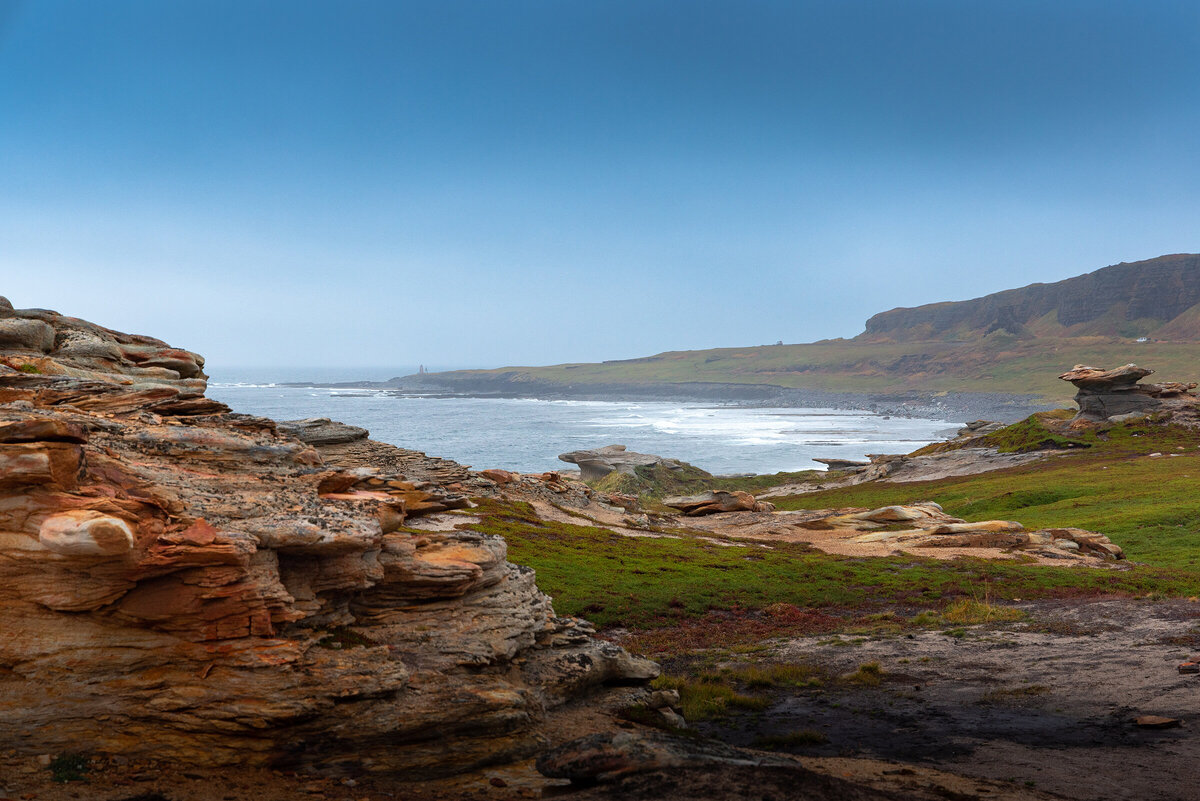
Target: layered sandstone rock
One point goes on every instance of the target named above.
(187, 583)
(707, 503)
(925, 525)
(596, 463)
(1105, 394)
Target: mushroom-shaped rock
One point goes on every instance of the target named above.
(1120, 379)
(597, 463)
(84, 532)
(1106, 393)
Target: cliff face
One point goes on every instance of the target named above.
(185, 582)
(1156, 297)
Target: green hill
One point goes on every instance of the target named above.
(1015, 341)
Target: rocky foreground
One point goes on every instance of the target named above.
(227, 606)
(184, 583)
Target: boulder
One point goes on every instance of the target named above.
(26, 335)
(707, 503)
(322, 431)
(1106, 394)
(596, 463)
(500, 477)
(927, 526)
(842, 464)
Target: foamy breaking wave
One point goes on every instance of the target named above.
(528, 434)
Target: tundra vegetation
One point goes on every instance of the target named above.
(684, 591)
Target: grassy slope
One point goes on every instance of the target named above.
(1148, 505)
(997, 364)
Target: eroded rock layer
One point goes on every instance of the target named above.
(183, 582)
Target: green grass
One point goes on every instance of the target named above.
(681, 592)
(1147, 505)
(869, 674)
(969, 611)
(650, 583)
(1011, 694)
(69, 768)
(704, 699)
(994, 364)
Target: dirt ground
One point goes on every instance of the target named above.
(1032, 710)
(1048, 704)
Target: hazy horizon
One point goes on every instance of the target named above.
(481, 184)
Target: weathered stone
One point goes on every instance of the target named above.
(178, 581)
(607, 757)
(1111, 394)
(26, 335)
(42, 430)
(501, 477)
(1156, 722)
(981, 526)
(322, 431)
(707, 503)
(842, 464)
(597, 463)
(85, 532)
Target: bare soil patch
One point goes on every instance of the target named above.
(1048, 703)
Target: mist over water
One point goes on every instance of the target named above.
(527, 435)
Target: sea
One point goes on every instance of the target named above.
(527, 435)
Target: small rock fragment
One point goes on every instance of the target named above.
(1156, 722)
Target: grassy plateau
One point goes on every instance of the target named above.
(680, 591)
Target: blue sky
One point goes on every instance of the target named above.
(487, 183)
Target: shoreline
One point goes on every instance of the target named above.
(948, 406)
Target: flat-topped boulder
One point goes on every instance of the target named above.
(322, 431)
(707, 503)
(1105, 394)
(842, 464)
(596, 463)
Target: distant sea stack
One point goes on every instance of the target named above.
(1157, 298)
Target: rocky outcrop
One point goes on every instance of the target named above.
(184, 582)
(41, 342)
(610, 756)
(1126, 300)
(925, 525)
(707, 503)
(322, 431)
(1105, 394)
(978, 428)
(596, 463)
(842, 464)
